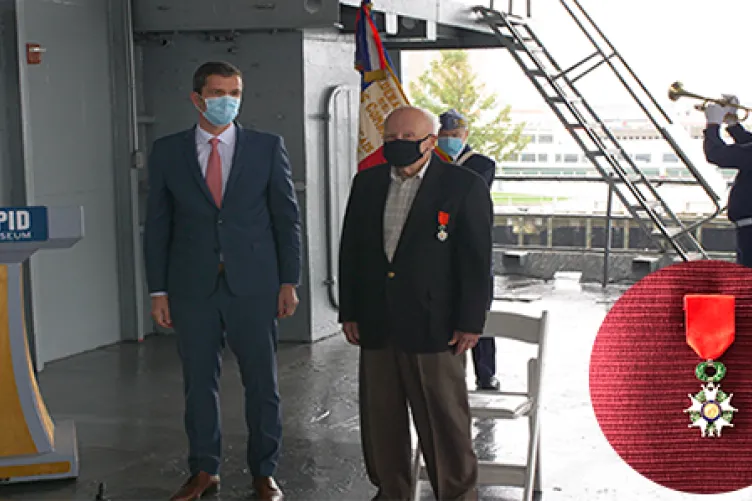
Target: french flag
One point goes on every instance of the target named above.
(380, 89)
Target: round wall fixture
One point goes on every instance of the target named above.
(312, 6)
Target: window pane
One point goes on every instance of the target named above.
(545, 139)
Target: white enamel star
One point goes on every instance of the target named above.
(709, 405)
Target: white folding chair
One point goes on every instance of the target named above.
(528, 328)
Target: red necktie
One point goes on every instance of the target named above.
(214, 172)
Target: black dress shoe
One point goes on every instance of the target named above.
(491, 384)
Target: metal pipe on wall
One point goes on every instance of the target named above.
(138, 162)
(330, 186)
(123, 85)
(131, 70)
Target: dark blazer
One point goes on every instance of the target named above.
(480, 164)
(257, 230)
(733, 156)
(431, 288)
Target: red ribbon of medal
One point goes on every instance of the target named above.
(709, 322)
(710, 328)
(443, 218)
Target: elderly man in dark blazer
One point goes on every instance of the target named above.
(414, 282)
(222, 246)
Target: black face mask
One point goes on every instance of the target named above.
(401, 153)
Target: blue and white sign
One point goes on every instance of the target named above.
(23, 224)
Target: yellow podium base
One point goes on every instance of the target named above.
(59, 464)
(32, 446)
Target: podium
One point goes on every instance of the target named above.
(32, 446)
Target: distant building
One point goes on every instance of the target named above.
(553, 152)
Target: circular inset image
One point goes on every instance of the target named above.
(671, 377)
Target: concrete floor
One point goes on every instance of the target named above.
(127, 403)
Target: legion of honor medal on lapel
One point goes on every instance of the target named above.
(710, 331)
(443, 222)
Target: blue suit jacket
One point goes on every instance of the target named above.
(481, 165)
(257, 230)
(733, 156)
(485, 168)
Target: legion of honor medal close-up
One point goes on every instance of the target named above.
(710, 332)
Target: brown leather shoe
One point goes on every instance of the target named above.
(197, 486)
(267, 489)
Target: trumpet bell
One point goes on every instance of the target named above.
(676, 91)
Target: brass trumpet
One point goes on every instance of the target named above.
(677, 91)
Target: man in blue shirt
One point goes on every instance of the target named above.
(733, 156)
(453, 141)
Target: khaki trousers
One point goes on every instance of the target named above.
(434, 387)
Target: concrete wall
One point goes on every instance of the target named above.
(69, 157)
(134, 304)
(11, 159)
(272, 69)
(7, 68)
(328, 60)
(185, 15)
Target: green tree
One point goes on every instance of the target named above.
(451, 83)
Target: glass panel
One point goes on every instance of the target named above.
(670, 158)
(545, 139)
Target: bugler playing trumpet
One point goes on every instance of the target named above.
(725, 110)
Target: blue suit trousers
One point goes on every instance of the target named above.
(248, 325)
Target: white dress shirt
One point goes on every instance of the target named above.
(226, 148)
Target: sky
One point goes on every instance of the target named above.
(704, 44)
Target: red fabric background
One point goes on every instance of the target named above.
(641, 370)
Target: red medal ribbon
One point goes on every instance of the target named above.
(709, 323)
(443, 218)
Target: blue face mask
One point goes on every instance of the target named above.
(221, 111)
(452, 146)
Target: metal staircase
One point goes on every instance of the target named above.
(558, 86)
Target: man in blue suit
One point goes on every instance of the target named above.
(223, 259)
(453, 141)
